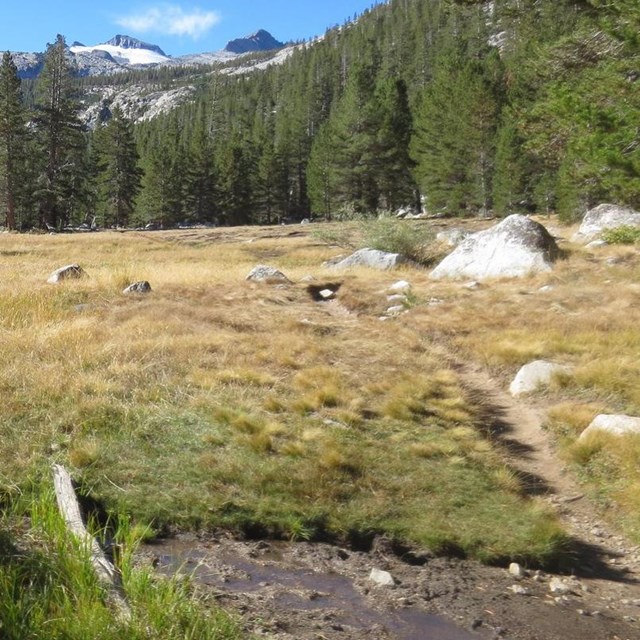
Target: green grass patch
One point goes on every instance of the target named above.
(48, 590)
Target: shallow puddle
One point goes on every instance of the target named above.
(301, 589)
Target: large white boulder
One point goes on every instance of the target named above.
(617, 425)
(535, 375)
(603, 217)
(372, 258)
(515, 247)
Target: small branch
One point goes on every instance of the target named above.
(106, 573)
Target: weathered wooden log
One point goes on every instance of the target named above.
(106, 573)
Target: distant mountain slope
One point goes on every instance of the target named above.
(123, 52)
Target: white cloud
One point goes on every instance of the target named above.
(170, 19)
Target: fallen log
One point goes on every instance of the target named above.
(105, 571)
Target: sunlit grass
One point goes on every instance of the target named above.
(214, 402)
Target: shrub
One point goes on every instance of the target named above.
(625, 234)
(415, 242)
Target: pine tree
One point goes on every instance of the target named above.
(394, 164)
(62, 180)
(355, 125)
(321, 177)
(118, 174)
(12, 139)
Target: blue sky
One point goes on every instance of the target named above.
(178, 26)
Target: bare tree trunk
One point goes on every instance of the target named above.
(104, 569)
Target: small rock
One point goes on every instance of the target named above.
(602, 217)
(70, 272)
(382, 578)
(397, 297)
(519, 590)
(596, 244)
(394, 311)
(264, 273)
(327, 294)
(559, 587)
(371, 258)
(474, 284)
(452, 237)
(546, 289)
(516, 571)
(536, 374)
(400, 286)
(617, 425)
(141, 287)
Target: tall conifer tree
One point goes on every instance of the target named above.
(119, 176)
(62, 180)
(12, 139)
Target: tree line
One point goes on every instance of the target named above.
(458, 106)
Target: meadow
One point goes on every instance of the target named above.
(213, 403)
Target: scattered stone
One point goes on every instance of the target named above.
(70, 272)
(264, 273)
(372, 258)
(395, 310)
(602, 217)
(546, 289)
(596, 244)
(474, 284)
(617, 425)
(305, 221)
(516, 571)
(559, 587)
(519, 590)
(141, 287)
(535, 375)
(515, 247)
(327, 294)
(397, 297)
(453, 237)
(402, 286)
(382, 578)
(308, 278)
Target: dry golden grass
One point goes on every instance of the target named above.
(218, 402)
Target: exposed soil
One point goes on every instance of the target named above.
(287, 590)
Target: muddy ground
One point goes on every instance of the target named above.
(305, 591)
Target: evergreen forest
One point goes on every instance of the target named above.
(459, 107)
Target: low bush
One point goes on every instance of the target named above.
(625, 234)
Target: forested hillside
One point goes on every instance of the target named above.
(459, 106)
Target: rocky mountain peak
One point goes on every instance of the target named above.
(259, 41)
(127, 42)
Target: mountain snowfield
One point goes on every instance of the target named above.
(124, 55)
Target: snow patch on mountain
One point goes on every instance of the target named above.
(124, 55)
